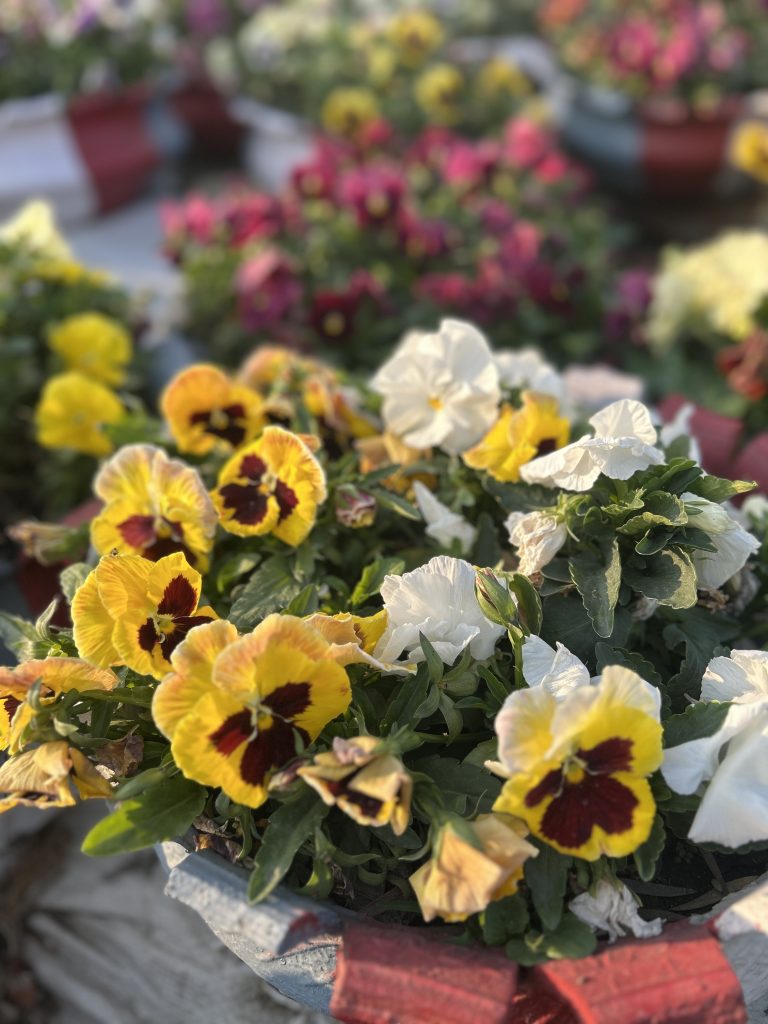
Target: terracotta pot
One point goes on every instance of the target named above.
(276, 142)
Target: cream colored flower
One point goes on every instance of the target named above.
(538, 536)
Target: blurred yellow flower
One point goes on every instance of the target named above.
(518, 436)
(749, 149)
(348, 110)
(93, 344)
(41, 778)
(34, 228)
(381, 61)
(499, 77)
(438, 91)
(205, 410)
(416, 35)
(73, 411)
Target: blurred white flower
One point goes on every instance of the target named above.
(525, 369)
(612, 908)
(440, 389)
(538, 536)
(733, 543)
(594, 387)
(443, 525)
(556, 671)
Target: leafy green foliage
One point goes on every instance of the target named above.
(290, 826)
(597, 575)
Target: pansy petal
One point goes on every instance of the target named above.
(93, 626)
(625, 418)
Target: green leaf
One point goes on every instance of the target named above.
(72, 578)
(393, 502)
(270, 589)
(305, 603)
(372, 578)
(163, 811)
(647, 855)
(452, 716)
(607, 655)
(435, 667)
(547, 878)
(695, 633)
(566, 620)
(571, 940)
(697, 722)
(504, 918)
(233, 568)
(289, 828)
(597, 576)
(659, 509)
(463, 786)
(668, 577)
(529, 607)
(520, 497)
(714, 488)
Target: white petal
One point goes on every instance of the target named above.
(559, 671)
(621, 458)
(613, 909)
(526, 368)
(743, 675)
(571, 468)
(443, 524)
(537, 536)
(625, 418)
(733, 548)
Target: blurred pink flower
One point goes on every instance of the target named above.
(268, 290)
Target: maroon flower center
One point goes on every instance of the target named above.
(342, 788)
(177, 619)
(547, 445)
(592, 798)
(228, 423)
(11, 705)
(270, 747)
(155, 537)
(249, 502)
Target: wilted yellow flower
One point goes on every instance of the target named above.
(73, 412)
(41, 778)
(749, 149)
(205, 409)
(438, 91)
(518, 436)
(34, 228)
(274, 485)
(153, 506)
(499, 77)
(354, 637)
(388, 450)
(364, 780)
(93, 344)
(416, 35)
(348, 110)
(462, 878)
(48, 543)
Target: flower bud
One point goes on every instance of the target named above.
(354, 508)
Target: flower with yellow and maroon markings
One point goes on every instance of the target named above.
(206, 410)
(153, 507)
(365, 780)
(577, 766)
(41, 778)
(273, 485)
(134, 612)
(268, 697)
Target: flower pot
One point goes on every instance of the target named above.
(657, 149)
(204, 111)
(275, 142)
(345, 964)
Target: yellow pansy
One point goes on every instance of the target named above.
(68, 272)
(348, 110)
(749, 149)
(273, 485)
(270, 695)
(518, 436)
(205, 409)
(153, 506)
(499, 77)
(336, 413)
(416, 35)
(578, 765)
(56, 676)
(73, 412)
(41, 778)
(438, 91)
(134, 612)
(462, 878)
(354, 637)
(34, 228)
(364, 780)
(93, 344)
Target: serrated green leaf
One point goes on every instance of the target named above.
(161, 812)
(714, 488)
(597, 576)
(271, 587)
(305, 603)
(372, 578)
(668, 577)
(289, 828)
(566, 620)
(695, 723)
(503, 919)
(571, 940)
(462, 785)
(608, 655)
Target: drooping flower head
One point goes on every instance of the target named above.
(249, 705)
(205, 409)
(73, 413)
(153, 506)
(518, 436)
(94, 345)
(577, 765)
(134, 612)
(538, 536)
(273, 485)
(440, 389)
(41, 778)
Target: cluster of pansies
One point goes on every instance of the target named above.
(364, 244)
(66, 347)
(435, 642)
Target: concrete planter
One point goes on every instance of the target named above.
(275, 143)
(715, 972)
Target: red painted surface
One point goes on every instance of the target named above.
(111, 134)
(683, 977)
(681, 154)
(205, 112)
(752, 463)
(719, 436)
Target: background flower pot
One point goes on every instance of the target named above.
(205, 113)
(364, 973)
(275, 142)
(657, 149)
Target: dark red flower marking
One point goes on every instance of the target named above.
(289, 700)
(226, 423)
(140, 533)
(549, 444)
(369, 805)
(597, 800)
(179, 598)
(181, 626)
(11, 705)
(179, 602)
(249, 502)
(148, 636)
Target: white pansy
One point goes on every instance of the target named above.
(443, 525)
(556, 671)
(538, 536)
(440, 389)
(34, 227)
(734, 760)
(525, 369)
(623, 443)
(733, 544)
(437, 600)
(680, 426)
(612, 908)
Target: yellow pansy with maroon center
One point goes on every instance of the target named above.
(205, 409)
(578, 765)
(273, 485)
(41, 778)
(270, 695)
(154, 506)
(518, 436)
(134, 612)
(56, 675)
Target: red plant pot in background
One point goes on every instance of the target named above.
(203, 110)
(719, 436)
(752, 463)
